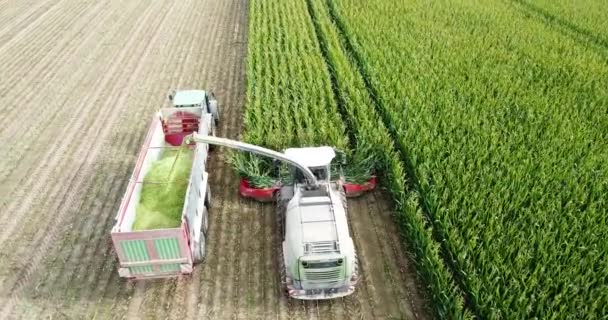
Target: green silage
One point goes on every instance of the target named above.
(164, 190)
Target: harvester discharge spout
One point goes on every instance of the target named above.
(242, 146)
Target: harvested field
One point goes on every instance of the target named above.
(80, 82)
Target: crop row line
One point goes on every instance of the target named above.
(332, 74)
(342, 69)
(564, 26)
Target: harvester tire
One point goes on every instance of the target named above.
(281, 206)
(356, 267)
(281, 210)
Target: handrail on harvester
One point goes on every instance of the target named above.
(312, 180)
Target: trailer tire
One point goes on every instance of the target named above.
(205, 222)
(199, 250)
(208, 198)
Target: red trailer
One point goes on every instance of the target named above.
(172, 251)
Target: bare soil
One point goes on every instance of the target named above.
(80, 82)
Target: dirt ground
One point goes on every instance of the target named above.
(79, 83)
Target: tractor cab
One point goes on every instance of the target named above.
(195, 98)
(189, 98)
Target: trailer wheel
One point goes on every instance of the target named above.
(208, 198)
(205, 222)
(199, 250)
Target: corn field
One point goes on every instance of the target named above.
(502, 119)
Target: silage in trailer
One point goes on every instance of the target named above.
(164, 190)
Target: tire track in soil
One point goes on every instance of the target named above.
(71, 287)
(242, 256)
(131, 147)
(10, 123)
(183, 78)
(74, 281)
(48, 42)
(179, 312)
(34, 187)
(243, 215)
(230, 207)
(191, 289)
(165, 299)
(378, 265)
(362, 296)
(406, 270)
(229, 127)
(390, 265)
(258, 274)
(137, 300)
(84, 231)
(173, 302)
(269, 277)
(387, 264)
(32, 92)
(188, 64)
(52, 234)
(216, 225)
(241, 261)
(23, 20)
(32, 223)
(150, 295)
(369, 261)
(54, 153)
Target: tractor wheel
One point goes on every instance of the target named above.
(214, 109)
(213, 133)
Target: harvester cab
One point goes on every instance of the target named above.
(317, 160)
(317, 256)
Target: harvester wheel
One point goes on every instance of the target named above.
(281, 210)
(356, 266)
(281, 206)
